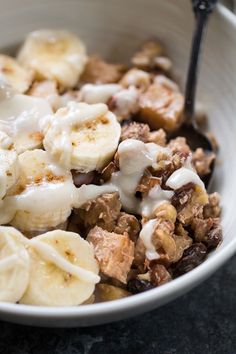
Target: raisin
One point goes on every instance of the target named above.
(214, 237)
(136, 286)
(192, 257)
(159, 275)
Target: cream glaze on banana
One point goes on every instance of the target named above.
(65, 120)
(20, 116)
(98, 93)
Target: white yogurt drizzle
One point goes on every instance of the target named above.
(48, 253)
(184, 175)
(146, 236)
(98, 93)
(155, 197)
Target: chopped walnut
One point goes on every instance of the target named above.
(138, 78)
(108, 170)
(179, 145)
(124, 103)
(194, 206)
(97, 71)
(207, 231)
(102, 211)
(157, 137)
(146, 57)
(136, 131)
(212, 209)
(159, 275)
(202, 161)
(181, 243)
(113, 252)
(161, 107)
(128, 224)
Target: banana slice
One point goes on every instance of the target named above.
(15, 75)
(43, 197)
(63, 270)
(81, 136)
(20, 116)
(55, 55)
(9, 166)
(14, 265)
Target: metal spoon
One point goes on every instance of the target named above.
(189, 129)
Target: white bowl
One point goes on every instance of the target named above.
(114, 29)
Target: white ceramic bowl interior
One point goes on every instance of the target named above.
(114, 29)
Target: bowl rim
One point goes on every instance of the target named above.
(170, 290)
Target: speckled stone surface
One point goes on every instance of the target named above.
(201, 322)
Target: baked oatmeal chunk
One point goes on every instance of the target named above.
(98, 71)
(161, 107)
(136, 131)
(113, 252)
(102, 211)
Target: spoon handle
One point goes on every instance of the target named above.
(202, 9)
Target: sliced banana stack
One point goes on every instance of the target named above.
(14, 265)
(81, 136)
(20, 116)
(14, 74)
(63, 270)
(43, 197)
(55, 55)
(9, 166)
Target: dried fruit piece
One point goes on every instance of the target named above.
(136, 286)
(208, 231)
(192, 257)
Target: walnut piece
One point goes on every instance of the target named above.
(202, 161)
(138, 78)
(97, 71)
(138, 131)
(114, 253)
(128, 224)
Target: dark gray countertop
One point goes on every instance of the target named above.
(201, 322)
